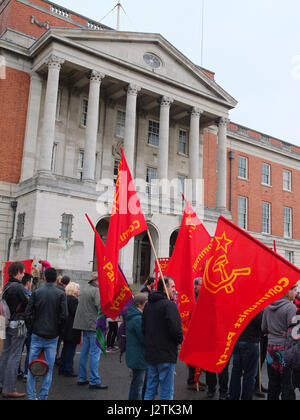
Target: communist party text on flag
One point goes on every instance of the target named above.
(241, 278)
(191, 250)
(111, 307)
(126, 221)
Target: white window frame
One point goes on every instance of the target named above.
(84, 111)
(266, 218)
(151, 181)
(266, 174)
(290, 256)
(243, 212)
(66, 226)
(287, 180)
(243, 167)
(120, 123)
(80, 163)
(288, 222)
(154, 134)
(185, 143)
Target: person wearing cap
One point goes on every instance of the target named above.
(86, 320)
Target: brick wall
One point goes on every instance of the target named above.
(14, 91)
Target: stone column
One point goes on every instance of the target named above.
(48, 129)
(222, 165)
(164, 128)
(92, 127)
(194, 147)
(32, 124)
(130, 125)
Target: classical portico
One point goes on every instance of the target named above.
(97, 93)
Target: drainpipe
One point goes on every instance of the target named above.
(231, 159)
(14, 205)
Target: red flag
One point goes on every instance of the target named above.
(121, 292)
(28, 268)
(241, 278)
(191, 250)
(127, 220)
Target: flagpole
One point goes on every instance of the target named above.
(158, 264)
(2, 273)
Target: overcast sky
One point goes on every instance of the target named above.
(253, 46)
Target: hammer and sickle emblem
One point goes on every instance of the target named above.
(227, 280)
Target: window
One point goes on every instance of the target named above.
(243, 167)
(120, 126)
(243, 212)
(20, 226)
(116, 170)
(266, 174)
(66, 226)
(287, 180)
(153, 133)
(266, 218)
(80, 165)
(151, 180)
(182, 148)
(287, 220)
(84, 111)
(290, 256)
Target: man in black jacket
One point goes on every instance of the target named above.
(15, 297)
(163, 334)
(45, 317)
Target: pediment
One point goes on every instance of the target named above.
(129, 49)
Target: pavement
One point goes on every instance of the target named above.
(117, 376)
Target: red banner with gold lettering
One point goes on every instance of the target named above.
(191, 250)
(241, 278)
(121, 291)
(126, 221)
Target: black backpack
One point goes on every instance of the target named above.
(292, 345)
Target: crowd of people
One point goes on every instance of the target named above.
(51, 315)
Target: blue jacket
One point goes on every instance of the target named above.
(135, 341)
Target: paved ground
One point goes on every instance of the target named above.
(117, 377)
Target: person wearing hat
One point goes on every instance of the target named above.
(86, 320)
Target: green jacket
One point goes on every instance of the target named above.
(135, 341)
(87, 310)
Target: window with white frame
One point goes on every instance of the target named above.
(116, 170)
(181, 185)
(53, 157)
(66, 226)
(120, 125)
(151, 180)
(290, 256)
(183, 146)
(80, 165)
(243, 212)
(153, 133)
(288, 222)
(20, 226)
(266, 174)
(287, 180)
(84, 112)
(266, 218)
(243, 167)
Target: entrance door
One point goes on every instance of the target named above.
(142, 258)
(145, 262)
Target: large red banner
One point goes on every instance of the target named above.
(28, 268)
(241, 278)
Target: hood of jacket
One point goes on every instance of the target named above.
(156, 297)
(279, 304)
(133, 312)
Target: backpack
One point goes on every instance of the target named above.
(121, 339)
(292, 346)
(4, 313)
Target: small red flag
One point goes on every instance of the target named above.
(241, 278)
(191, 250)
(119, 289)
(126, 221)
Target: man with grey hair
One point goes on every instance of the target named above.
(86, 320)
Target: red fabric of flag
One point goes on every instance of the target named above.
(120, 291)
(191, 250)
(126, 221)
(28, 268)
(241, 278)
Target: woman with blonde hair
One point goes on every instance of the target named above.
(70, 336)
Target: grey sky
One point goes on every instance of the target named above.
(253, 46)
